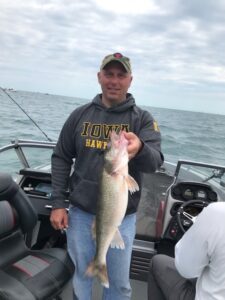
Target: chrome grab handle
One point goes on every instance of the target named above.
(50, 207)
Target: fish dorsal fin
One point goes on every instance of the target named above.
(117, 241)
(132, 184)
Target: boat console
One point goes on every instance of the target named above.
(185, 201)
(195, 186)
(37, 185)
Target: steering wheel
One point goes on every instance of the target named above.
(184, 217)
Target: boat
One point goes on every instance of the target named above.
(171, 200)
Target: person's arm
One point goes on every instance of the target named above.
(192, 251)
(62, 160)
(146, 148)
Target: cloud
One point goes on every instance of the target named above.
(170, 42)
(127, 7)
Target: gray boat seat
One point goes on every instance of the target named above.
(26, 274)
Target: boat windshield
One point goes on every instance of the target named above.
(38, 158)
(22, 154)
(201, 172)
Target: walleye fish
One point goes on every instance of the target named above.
(112, 204)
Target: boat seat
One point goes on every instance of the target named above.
(26, 274)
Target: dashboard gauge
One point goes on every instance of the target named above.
(177, 191)
(200, 194)
(212, 196)
(188, 194)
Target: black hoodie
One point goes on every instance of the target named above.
(84, 138)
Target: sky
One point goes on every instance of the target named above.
(177, 48)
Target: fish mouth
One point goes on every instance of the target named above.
(117, 146)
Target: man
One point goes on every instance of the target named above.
(199, 254)
(84, 138)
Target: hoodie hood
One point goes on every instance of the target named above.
(120, 107)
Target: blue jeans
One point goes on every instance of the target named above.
(81, 248)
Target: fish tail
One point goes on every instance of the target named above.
(99, 270)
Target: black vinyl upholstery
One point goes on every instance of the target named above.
(26, 274)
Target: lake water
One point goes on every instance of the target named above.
(185, 135)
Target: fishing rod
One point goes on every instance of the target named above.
(23, 110)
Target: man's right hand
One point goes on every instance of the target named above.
(59, 218)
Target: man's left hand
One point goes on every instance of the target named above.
(134, 144)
